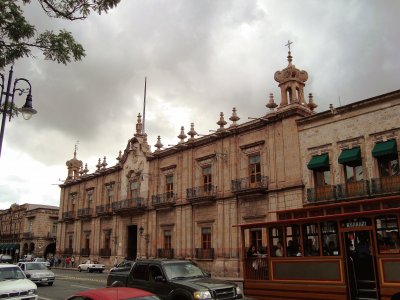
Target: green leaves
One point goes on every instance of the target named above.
(18, 37)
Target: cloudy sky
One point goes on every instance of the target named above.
(200, 58)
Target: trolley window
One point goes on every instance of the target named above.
(330, 238)
(293, 246)
(276, 241)
(311, 239)
(387, 232)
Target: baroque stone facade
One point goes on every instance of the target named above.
(184, 201)
(28, 229)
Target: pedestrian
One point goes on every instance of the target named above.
(56, 261)
(67, 261)
(72, 262)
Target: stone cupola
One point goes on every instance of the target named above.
(291, 81)
(74, 165)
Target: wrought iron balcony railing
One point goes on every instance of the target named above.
(133, 204)
(165, 253)
(28, 235)
(85, 251)
(104, 209)
(384, 185)
(68, 216)
(166, 199)
(251, 184)
(353, 189)
(206, 192)
(105, 252)
(205, 253)
(322, 193)
(85, 212)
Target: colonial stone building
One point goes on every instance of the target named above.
(28, 229)
(184, 201)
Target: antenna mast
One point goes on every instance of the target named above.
(144, 103)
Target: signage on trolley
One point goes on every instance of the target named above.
(356, 223)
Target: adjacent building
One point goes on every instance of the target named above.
(28, 229)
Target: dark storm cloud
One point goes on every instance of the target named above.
(200, 58)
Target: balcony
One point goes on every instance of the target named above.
(85, 213)
(355, 190)
(201, 194)
(68, 251)
(251, 185)
(85, 251)
(104, 210)
(352, 189)
(385, 185)
(133, 205)
(28, 235)
(68, 216)
(204, 253)
(165, 200)
(105, 252)
(165, 253)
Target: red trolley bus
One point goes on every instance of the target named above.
(348, 250)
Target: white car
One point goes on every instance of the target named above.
(42, 260)
(91, 266)
(37, 272)
(15, 285)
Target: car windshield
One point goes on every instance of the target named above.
(11, 273)
(38, 266)
(183, 270)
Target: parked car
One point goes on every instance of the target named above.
(117, 293)
(42, 260)
(173, 279)
(123, 266)
(15, 285)
(91, 266)
(4, 258)
(37, 272)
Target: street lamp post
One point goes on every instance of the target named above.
(26, 110)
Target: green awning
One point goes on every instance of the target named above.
(13, 246)
(350, 156)
(319, 162)
(384, 148)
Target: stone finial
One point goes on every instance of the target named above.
(271, 103)
(221, 122)
(182, 136)
(192, 133)
(85, 170)
(81, 171)
(311, 103)
(234, 118)
(98, 166)
(158, 145)
(119, 156)
(104, 164)
(139, 125)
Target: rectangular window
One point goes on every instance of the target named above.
(169, 186)
(70, 242)
(330, 239)
(293, 247)
(89, 198)
(388, 166)
(256, 239)
(110, 193)
(134, 189)
(311, 239)
(167, 239)
(254, 169)
(54, 229)
(206, 237)
(387, 232)
(353, 173)
(207, 179)
(107, 239)
(276, 241)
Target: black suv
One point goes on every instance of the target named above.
(174, 280)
